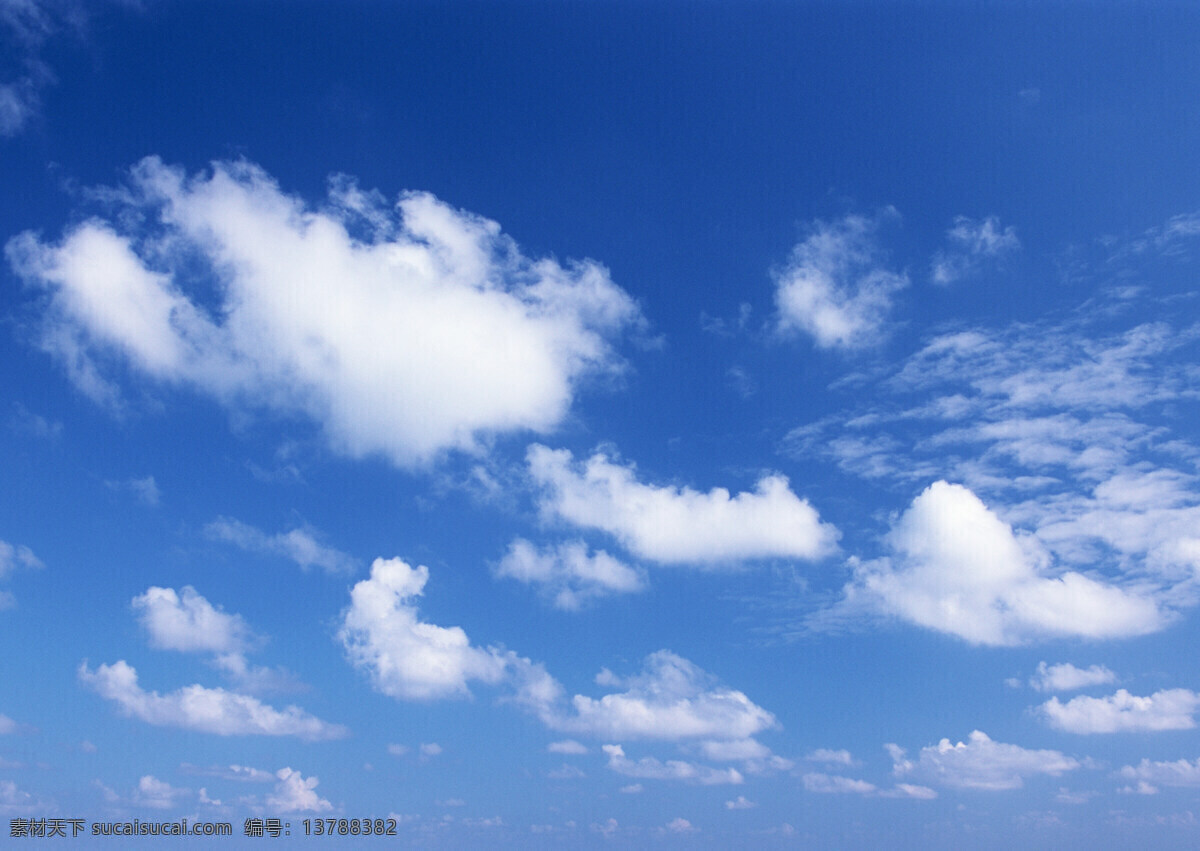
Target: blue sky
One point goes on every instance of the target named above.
(589, 425)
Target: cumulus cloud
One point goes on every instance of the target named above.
(159, 794)
(673, 525)
(680, 825)
(13, 557)
(649, 768)
(295, 793)
(186, 621)
(208, 710)
(402, 332)
(1066, 677)
(835, 288)
(961, 570)
(1177, 773)
(298, 545)
(567, 746)
(1169, 709)
(15, 801)
(971, 243)
(567, 574)
(837, 757)
(979, 763)
(817, 782)
(740, 803)
(405, 657)
(670, 700)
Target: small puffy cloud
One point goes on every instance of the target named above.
(296, 794)
(567, 574)
(1178, 773)
(971, 243)
(298, 545)
(1169, 709)
(429, 749)
(979, 763)
(1066, 677)
(833, 784)
(405, 657)
(398, 750)
(740, 803)
(649, 768)
(208, 710)
(186, 621)
(835, 288)
(673, 525)
(144, 490)
(961, 570)
(836, 757)
(671, 699)
(152, 792)
(13, 557)
(403, 331)
(680, 825)
(567, 746)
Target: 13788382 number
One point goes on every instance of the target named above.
(349, 827)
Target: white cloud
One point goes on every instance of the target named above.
(14, 801)
(1177, 773)
(14, 557)
(429, 749)
(817, 782)
(632, 789)
(972, 242)
(240, 773)
(680, 825)
(837, 757)
(740, 803)
(959, 569)
(398, 750)
(296, 794)
(1066, 677)
(7, 725)
(979, 763)
(186, 621)
(673, 525)
(670, 700)
(405, 657)
(567, 574)
(649, 768)
(208, 710)
(909, 790)
(834, 287)
(567, 746)
(145, 490)
(298, 545)
(1169, 709)
(152, 792)
(402, 332)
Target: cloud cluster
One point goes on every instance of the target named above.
(674, 525)
(835, 288)
(402, 332)
(567, 573)
(1169, 709)
(972, 242)
(1066, 677)
(406, 657)
(959, 569)
(979, 763)
(298, 545)
(208, 710)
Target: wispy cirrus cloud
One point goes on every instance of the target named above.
(971, 243)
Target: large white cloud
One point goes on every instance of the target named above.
(1169, 709)
(208, 710)
(674, 525)
(401, 331)
(834, 286)
(979, 763)
(959, 569)
(405, 657)
(567, 573)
